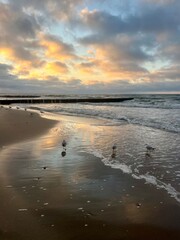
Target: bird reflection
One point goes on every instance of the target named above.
(63, 153)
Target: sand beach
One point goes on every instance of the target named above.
(45, 194)
(17, 125)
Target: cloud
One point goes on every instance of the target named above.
(89, 45)
(30, 50)
(54, 9)
(56, 48)
(155, 19)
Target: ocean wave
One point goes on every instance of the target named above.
(117, 118)
(149, 179)
(163, 119)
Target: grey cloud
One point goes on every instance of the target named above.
(158, 19)
(26, 26)
(144, 28)
(4, 68)
(17, 32)
(54, 86)
(66, 48)
(170, 73)
(55, 9)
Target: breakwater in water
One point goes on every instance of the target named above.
(60, 100)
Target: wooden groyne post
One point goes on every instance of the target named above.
(60, 100)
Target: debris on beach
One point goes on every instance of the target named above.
(138, 205)
(22, 209)
(81, 209)
(89, 214)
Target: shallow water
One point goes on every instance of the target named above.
(148, 119)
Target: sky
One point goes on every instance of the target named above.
(89, 46)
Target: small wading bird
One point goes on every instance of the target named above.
(149, 150)
(64, 143)
(114, 147)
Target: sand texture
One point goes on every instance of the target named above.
(17, 125)
(48, 192)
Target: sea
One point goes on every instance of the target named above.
(148, 119)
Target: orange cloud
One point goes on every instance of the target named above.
(106, 65)
(56, 49)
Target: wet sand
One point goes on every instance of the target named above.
(45, 195)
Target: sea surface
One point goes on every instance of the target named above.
(147, 119)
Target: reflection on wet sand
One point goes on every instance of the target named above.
(45, 195)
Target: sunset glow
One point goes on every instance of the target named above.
(83, 46)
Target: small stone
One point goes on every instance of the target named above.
(22, 209)
(138, 205)
(80, 208)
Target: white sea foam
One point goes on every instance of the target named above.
(149, 179)
(113, 164)
(155, 111)
(159, 184)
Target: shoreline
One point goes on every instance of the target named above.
(17, 125)
(76, 196)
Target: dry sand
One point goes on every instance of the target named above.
(17, 125)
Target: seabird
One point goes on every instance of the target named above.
(149, 148)
(64, 143)
(114, 147)
(113, 155)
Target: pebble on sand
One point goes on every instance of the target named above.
(22, 209)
